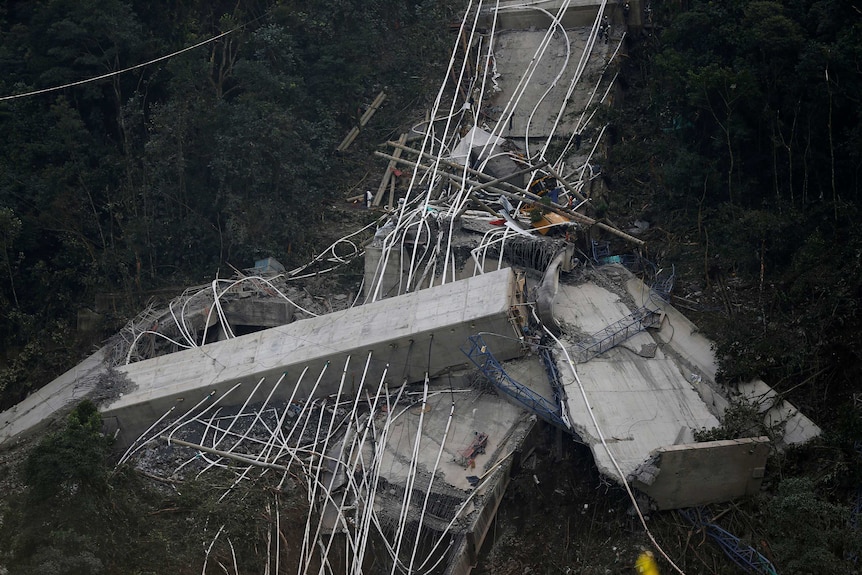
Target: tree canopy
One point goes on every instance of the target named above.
(743, 133)
(162, 175)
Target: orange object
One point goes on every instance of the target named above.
(549, 221)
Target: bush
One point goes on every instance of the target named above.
(72, 460)
(810, 534)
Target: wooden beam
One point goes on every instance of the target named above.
(518, 173)
(348, 139)
(453, 165)
(388, 174)
(378, 101)
(566, 184)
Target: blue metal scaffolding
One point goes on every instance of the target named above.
(745, 556)
(480, 355)
(616, 333)
(553, 375)
(662, 279)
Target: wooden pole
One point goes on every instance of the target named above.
(386, 176)
(453, 165)
(518, 173)
(566, 184)
(378, 101)
(348, 139)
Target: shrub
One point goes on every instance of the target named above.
(72, 460)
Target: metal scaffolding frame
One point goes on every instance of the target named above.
(744, 555)
(543, 407)
(616, 333)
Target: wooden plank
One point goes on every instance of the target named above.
(388, 174)
(348, 139)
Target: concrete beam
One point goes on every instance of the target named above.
(409, 335)
(695, 474)
(54, 400)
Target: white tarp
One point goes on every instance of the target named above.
(476, 138)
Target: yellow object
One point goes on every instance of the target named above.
(548, 221)
(646, 564)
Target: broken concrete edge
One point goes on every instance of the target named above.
(467, 547)
(695, 474)
(702, 364)
(780, 414)
(100, 386)
(51, 403)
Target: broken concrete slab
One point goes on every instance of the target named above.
(514, 51)
(691, 475)
(640, 403)
(681, 338)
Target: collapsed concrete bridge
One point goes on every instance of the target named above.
(377, 405)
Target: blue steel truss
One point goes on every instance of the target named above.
(553, 375)
(743, 555)
(479, 354)
(616, 333)
(663, 283)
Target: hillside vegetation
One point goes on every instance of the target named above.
(161, 176)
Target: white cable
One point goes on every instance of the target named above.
(579, 70)
(431, 483)
(553, 84)
(375, 291)
(608, 450)
(324, 450)
(137, 337)
(118, 72)
(411, 477)
(340, 461)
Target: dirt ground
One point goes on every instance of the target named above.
(560, 516)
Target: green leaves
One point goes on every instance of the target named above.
(810, 534)
(70, 463)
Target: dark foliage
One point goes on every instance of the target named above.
(72, 461)
(163, 175)
(741, 133)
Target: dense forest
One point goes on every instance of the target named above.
(745, 137)
(738, 137)
(163, 175)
